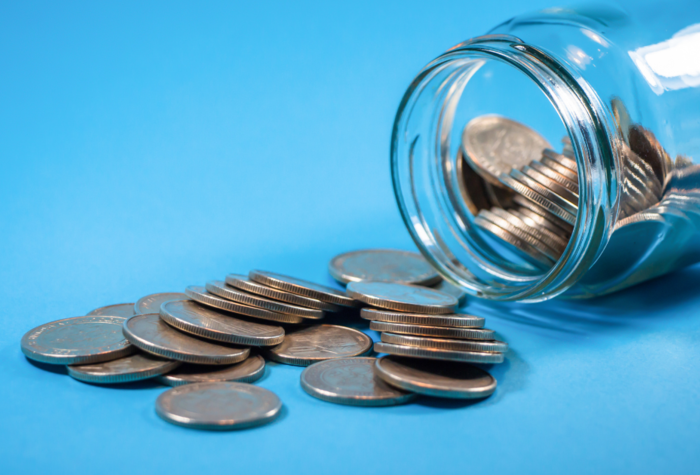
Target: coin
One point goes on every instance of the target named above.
(568, 183)
(519, 232)
(218, 406)
(200, 295)
(459, 320)
(550, 240)
(383, 265)
(351, 381)
(135, 367)
(125, 310)
(153, 335)
(247, 371)
(244, 283)
(219, 288)
(489, 346)
(436, 378)
(493, 145)
(78, 340)
(546, 199)
(535, 208)
(435, 354)
(404, 298)
(314, 343)
(303, 287)
(523, 247)
(151, 303)
(551, 184)
(440, 332)
(453, 290)
(190, 317)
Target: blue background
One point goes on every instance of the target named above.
(149, 146)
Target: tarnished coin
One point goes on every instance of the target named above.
(453, 290)
(78, 340)
(404, 298)
(383, 265)
(125, 310)
(459, 320)
(135, 367)
(246, 371)
(151, 303)
(493, 145)
(440, 332)
(244, 283)
(314, 343)
(218, 406)
(303, 287)
(436, 378)
(219, 288)
(489, 346)
(200, 295)
(351, 381)
(206, 322)
(435, 354)
(153, 335)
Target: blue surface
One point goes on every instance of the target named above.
(146, 147)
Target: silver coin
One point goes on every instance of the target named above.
(550, 240)
(404, 298)
(315, 343)
(383, 265)
(151, 303)
(303, 287)
(535, 208)
(135, 367)
(535, 220)
(459, 320)
(190, 317)
(453, 290)
(78, 340)
(493, 145)
(440, 332)
(558, 167)
(220, 288)
(218, 406)
(244, 283)
(551, 184)
(546, 199)
(565, 181)
(435, 354)
(125, 310)
(436, 378)
(247, 371)
(200, 295)
(567, 201)
(488, 346)
(529, 252)
(565, 160)
(153, 335)
(351, 381)
(519, 231)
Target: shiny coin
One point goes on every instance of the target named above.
(459, 320)
(200, 295)
(436, 378)
(205, 322)
(440, 332)
(521, 246)
(534, 208)
(225, 291)
(246, 371)
(303, 287)
(153, 335)
(125, 310)
(79, 340)
(489, 346)
(351, 381)
(244, 283)
(135, 367)
(218, 406)
(404, 298)
(151, 303)
(310, 344)
(435, 354)
(383, 265)
(552, 241)
(543, 197)
(453, 290)
(518, 231)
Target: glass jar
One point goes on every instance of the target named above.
(622, 87)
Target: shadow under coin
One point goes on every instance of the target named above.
(51, 368)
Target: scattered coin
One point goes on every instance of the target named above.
(303, 287)
(151, 303)
(436, 378)
(489, 346)
(247, 371)
(440, 332)
(459, 320)
(453, 290)
(153, 335)
(310, 344)
(351, 381)
(383, 265)
(435, 354)
(244, 283)
(78, 340)
(125, 310)
(135, 367)
(218, 406)
(404, 298)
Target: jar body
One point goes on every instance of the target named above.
(624, 86)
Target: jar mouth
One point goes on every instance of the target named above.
(429, 182)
